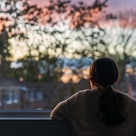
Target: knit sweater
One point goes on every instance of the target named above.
(81, 108)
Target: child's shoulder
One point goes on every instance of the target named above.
(87, 92)
(127, 97)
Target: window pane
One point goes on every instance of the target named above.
(47, 47)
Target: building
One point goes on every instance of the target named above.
(17, 95)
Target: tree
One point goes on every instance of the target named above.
(20, 18)
(74, 19)
(12, 19)
(4, 52)
(121, 38)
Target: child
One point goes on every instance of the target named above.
(101, 110)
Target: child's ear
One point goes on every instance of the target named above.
(92, 81)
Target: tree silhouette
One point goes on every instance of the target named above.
(13, 18)
(18, 18)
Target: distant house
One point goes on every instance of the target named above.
(10, 95)
(17, 95)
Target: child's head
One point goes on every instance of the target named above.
(104, 72)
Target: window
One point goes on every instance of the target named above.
(8, 97)
(46, 51)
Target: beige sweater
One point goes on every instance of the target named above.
(80, 109)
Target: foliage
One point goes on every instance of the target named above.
(12, 21)
(56, 23)
(120, 38)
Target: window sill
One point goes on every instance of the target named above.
(24, 115)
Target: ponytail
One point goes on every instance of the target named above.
(111, 107)
(111, 110)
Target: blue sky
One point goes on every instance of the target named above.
(122, 5)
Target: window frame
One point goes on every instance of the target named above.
(24, 115)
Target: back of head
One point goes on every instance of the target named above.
(104, 72)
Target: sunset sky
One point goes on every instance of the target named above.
(113, 5)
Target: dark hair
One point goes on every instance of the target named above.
(104, 71)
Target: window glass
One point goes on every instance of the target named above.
(47, 47)
(15, 96)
